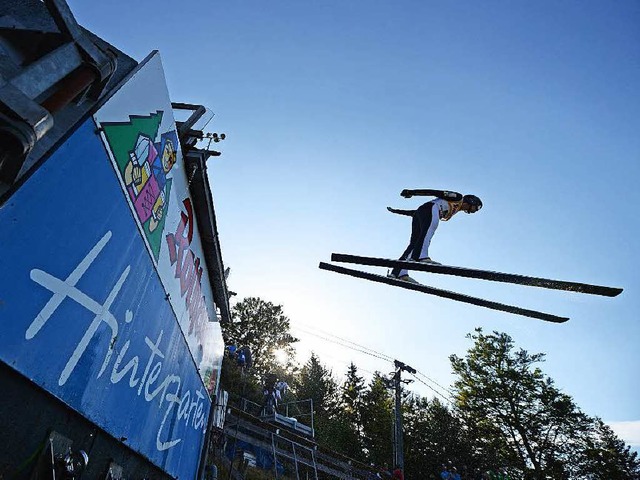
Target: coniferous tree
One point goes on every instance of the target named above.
(315, 382)
(434, 435)
(351, 397)
(377, 422)
(350, 415)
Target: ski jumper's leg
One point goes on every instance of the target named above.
(431, 220)
(428, 218)
(415, 235)
(424, 224)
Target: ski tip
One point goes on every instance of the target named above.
(598, 290)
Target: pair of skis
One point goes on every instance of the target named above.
(467, 273)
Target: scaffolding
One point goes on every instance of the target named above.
(290, 453)
(291, 419)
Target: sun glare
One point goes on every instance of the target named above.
(281, 356)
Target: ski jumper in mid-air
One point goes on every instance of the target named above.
(425, 222)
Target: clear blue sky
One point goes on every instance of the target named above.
(332, 107)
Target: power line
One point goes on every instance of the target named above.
(345, 343)
(344, 362)
(446, 399)
(369, 351)
(448, 390)
(387, 357)
(352, 347)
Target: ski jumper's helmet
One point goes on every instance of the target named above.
(473, 201)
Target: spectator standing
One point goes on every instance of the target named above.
(454, 474)
(397, 473)
(444, 473)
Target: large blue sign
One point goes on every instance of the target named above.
(84, 315)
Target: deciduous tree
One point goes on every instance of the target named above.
(604, 455)
(265, 329)
(523, 422)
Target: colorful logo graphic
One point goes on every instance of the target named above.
(144, 165)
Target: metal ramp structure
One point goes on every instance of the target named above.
(293, 412)
(279, 447)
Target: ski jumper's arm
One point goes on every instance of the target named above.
(408, 213)
(426, 192)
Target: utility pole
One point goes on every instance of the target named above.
(398, 444)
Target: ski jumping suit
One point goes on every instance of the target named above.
(424, 224)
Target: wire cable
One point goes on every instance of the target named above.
(446, 399)
(374, 353)
(448, 390)
(345, 362)
(358, 349)
(388, 358)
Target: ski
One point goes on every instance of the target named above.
(480, 302)
(480, 274)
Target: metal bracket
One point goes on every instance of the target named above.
(114, 472)
(22, 123)
(58, 461)
(72, 65)
(103, 64)
(55, 445)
